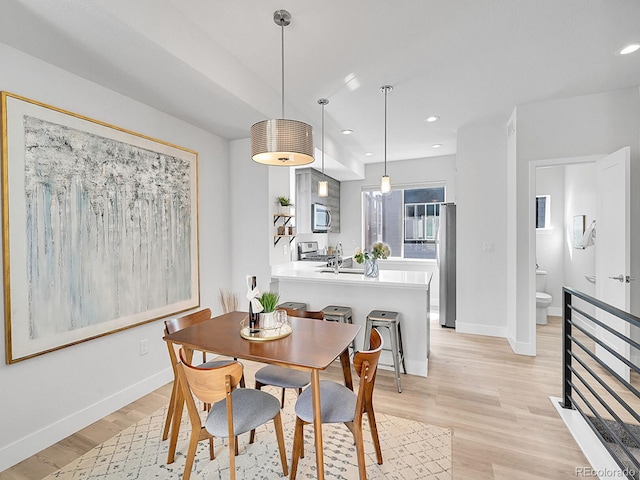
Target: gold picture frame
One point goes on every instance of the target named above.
(100, 228)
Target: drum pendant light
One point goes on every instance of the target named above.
(323, 185)
(281, 141)
(385, 184)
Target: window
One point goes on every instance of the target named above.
(543, 215)
(407, 220)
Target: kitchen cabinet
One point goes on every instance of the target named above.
(307, 193)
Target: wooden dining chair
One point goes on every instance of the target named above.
(174, 325)
(233, 410)
(340, 405)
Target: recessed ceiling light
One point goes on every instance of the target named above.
(629, 49)
(368, 154)
(437, 145)
(347, 131)
(432, 118)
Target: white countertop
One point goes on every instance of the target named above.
(311, 272)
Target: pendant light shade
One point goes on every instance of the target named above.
(323, 188)
(280, 141)
(323, 185)
(385, 183)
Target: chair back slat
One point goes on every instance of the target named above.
(304, 313)
(371, 356)
(208, 384)
(175, 324)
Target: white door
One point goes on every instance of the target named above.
(612, 245)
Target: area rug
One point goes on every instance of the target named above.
(410, 450)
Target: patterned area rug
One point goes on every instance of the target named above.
(410, 450)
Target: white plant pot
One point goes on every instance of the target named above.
(284, 209)
(267, 320)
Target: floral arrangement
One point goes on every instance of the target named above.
(378, 250)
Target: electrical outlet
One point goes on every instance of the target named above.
(487, 247)
(144, 346)
(284, 249)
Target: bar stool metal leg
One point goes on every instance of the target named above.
(393, 335)
(401, 349)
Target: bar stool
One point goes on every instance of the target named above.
(390, 321)
(336, 313)
(293, 305)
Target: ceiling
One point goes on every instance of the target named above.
(217, 64)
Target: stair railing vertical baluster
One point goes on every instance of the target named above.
(566, 345)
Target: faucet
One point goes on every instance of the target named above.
(338, 260)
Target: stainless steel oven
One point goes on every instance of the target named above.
(320, 218)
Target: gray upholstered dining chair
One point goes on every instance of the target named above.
(340, 405)
(233, 410)
(284, 377)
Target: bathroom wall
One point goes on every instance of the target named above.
(580, 199)
(550, 242)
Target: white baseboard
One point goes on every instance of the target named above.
(522, 348)
(53, 433)
(555, 311)
(479, 329)
(602, 464)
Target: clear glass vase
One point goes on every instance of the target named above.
(371, 267)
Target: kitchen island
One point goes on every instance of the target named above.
(406, 292)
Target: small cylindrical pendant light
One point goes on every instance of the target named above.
(323, 185)
(385, 183)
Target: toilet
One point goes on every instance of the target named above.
(543, 300)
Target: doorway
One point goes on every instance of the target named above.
(569, 184)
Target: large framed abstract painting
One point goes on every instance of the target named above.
(100, 228)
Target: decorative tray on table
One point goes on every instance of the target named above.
(263, 334)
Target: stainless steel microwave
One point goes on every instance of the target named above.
(320, 218)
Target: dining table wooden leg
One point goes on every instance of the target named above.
(317, 421)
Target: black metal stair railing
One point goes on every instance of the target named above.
(593, 388)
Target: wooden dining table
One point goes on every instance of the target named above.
(312, 346)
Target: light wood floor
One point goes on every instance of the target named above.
(497, 404)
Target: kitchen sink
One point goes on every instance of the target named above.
(357, 271)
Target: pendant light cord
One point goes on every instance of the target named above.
(386, 90)
(282, 52)
(322, 142)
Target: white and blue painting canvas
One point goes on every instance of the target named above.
(102, 229)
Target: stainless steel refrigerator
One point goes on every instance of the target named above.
(446, 260)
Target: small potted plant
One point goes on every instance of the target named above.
(285, 205)
(269, 302)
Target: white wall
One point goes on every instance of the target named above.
(46, 398)
(482, 209)
(251, 224)
(580, 199)
(550, 242)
